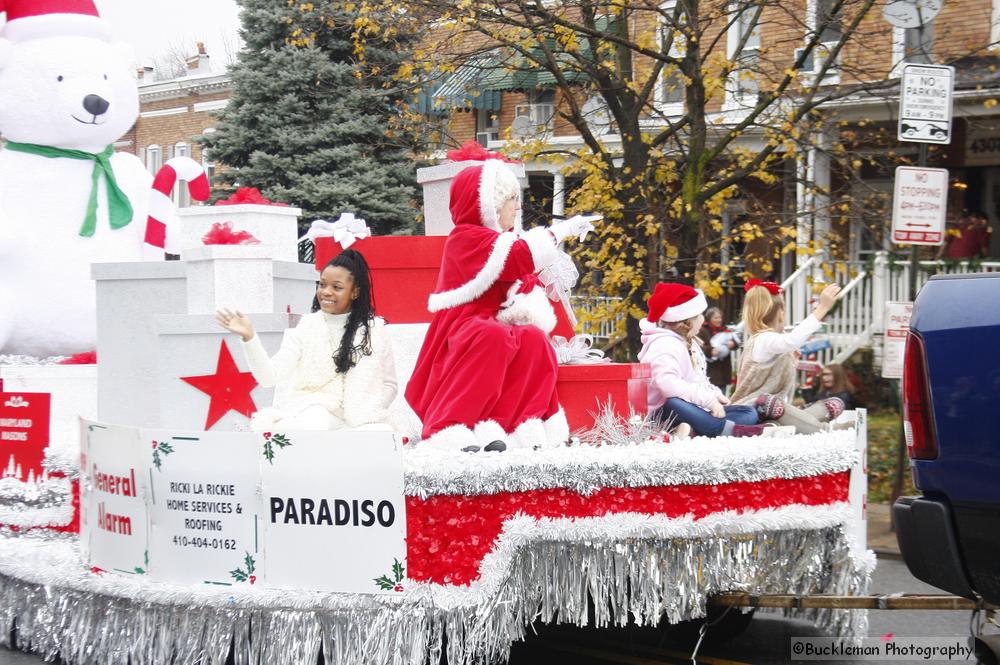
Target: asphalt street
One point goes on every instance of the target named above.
(766, 641)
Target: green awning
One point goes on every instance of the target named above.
(480, 82)
(471, 86)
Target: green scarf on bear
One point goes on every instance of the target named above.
(119, 208)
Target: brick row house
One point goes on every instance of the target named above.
(174, 113)
(844, 212)
(841, 207)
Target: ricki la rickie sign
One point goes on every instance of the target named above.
(333, 501)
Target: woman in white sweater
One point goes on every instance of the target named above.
(335, 369)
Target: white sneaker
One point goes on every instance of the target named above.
(778, 430)
(682, 431)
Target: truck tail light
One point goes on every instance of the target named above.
(918, 426)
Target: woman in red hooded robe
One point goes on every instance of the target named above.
(487, 372)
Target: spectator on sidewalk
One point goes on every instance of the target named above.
(717, 343)
(969, 238)
(833, 382)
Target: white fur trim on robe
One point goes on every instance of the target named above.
(524, 309)
(479, 284)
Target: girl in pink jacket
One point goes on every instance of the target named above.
(679, 388)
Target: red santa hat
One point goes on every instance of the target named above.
(672, 302)
(478, 192)
(36, 19)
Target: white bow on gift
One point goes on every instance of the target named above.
(559, 278)
(347, 230)
(578, 351)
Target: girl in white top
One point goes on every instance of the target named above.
(766, 377)
(335, 369)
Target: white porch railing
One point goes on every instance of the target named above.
(603, 327)
(857, 321)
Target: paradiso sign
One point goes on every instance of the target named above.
(306, 510)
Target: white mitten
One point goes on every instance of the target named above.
(578, 225)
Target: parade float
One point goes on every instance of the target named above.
(144, 522)
(198, 536)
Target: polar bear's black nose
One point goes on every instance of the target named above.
(95, 104)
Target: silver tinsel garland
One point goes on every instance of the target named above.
(43, 503)
(585, 469)
(7, 359)
(631, 565)
(42, 493)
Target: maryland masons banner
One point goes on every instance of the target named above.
(334, 511)
(113, 518)
(24, 433)
(202, 506)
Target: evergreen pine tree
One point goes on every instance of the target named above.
(307, 125)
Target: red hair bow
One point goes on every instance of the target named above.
(772, 288)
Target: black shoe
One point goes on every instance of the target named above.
(498, 446)
(471, 449)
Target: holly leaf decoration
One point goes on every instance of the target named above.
(384, 583)
(161, 447)
(247, 575)
(397, 570)
(393, 583)
(271, 440)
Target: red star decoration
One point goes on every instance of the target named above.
(229, 388)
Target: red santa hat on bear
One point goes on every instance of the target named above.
(672, 302)
(37, 19)
(478, 192)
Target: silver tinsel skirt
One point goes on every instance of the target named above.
(633, 567)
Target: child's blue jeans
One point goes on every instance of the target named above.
(703, 422)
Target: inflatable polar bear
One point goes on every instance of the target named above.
(65, 90)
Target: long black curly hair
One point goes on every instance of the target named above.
(362, 311)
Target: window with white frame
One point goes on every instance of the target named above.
(207, 163)
(914, 45)
(154, 158)
(995, 23)
(820, 16)
(487, 126)
(918, 43)
(743, 84)
(181, 196)
(672, 85)
(540, 110)
(823, 15)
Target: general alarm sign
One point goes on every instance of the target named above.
(920, 201)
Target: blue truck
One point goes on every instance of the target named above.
(950, 535)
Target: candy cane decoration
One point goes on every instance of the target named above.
(162, 213)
